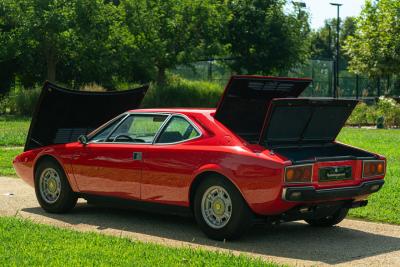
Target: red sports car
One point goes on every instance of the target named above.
(262, 155)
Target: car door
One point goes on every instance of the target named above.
(111, 163)
(169, 164)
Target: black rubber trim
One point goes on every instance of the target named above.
(309, 193)
(152, 207)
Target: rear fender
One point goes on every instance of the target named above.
(213, 168)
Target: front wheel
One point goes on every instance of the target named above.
(220, 209)
(331, 220)
(52, 189)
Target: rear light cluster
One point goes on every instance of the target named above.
(373, 168)
(299, 174)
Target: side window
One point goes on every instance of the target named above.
(138, 129)
(102, 135)
(177, 130)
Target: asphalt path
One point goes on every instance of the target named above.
(351, 243)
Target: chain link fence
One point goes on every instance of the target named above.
(321, 72)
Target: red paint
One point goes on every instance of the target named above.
(166, 173)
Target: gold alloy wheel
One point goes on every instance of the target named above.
(216, 207)
(50, 185)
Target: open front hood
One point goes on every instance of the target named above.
(245, 102)
(299, 121)
(61, 115)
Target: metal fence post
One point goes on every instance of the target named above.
(357, 88)
(210, 69)
(379, 86)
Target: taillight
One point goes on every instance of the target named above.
(372, 168)
(298, 174)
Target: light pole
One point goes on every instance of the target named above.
(336, 79)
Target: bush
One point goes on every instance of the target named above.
(362, 115)
(178, 92)
(20, 101)
(387, 108)
(390, 110)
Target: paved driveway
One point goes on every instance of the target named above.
(353, 242)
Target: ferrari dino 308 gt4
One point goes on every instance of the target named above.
(262, 155)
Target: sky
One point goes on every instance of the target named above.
(320, 10)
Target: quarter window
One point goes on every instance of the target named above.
(177, 130)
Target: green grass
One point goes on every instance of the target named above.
(24, 243)
(13, 130)
(383, 206)
(6, 157)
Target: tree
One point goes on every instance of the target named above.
(375, 47)
(71, 41)
(323, 40)
(44, 32)
(8, 45)
(265, 39)
(177, 31)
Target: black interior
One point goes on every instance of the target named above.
(61, 115)
(328, 151)
(170, 137)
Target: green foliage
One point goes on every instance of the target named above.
(362, 115)
(26, 243)
(74, 42)
(178, 92)
(323, 40)
(375, 47)
(77, 42)
(20, 101)
(265, 39)
(387, 108)
(383, 206)
(177, 31)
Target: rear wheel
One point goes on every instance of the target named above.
(331, 220)
(53, 191)
(220, 209)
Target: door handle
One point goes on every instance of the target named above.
(137, 155)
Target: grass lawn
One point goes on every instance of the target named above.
(24, 243)
(6, 157)
(383, 206)
(13, 130)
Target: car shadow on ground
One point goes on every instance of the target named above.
(291, 240)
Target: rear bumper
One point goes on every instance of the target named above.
(309, 193)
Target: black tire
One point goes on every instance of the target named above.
(241, 216)
(331, 220)
(66, 198)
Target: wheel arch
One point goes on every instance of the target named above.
(200, 177)
(43, 157)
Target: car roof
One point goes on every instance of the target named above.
(185, 111)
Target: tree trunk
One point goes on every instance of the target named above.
(161, 75)
(51, 67)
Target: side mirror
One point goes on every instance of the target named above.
(83, 139)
